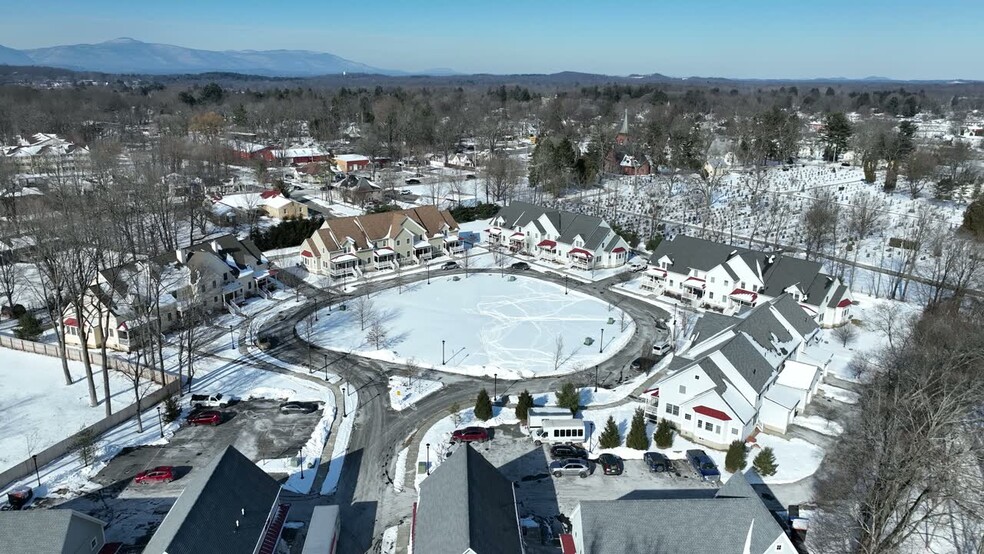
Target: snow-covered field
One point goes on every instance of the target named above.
(488, 325)
(404, 392)
(37, 409)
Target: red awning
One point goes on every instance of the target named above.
(567, 544)
(514, 235)
(122, 327)
(694, 282)
(844, 303)
(618, 250)
(71, 322)
(711, 412)
(581, 252)
(547, 244)
(306, 254)
(651, 392)
(742, 292)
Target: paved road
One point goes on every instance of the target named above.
(368, 502)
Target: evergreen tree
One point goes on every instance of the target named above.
(637, 438)
(523, 405)
(765, 462)
(610, 437)
(28, 327)
(663, 437)
(569, 397)
(737, 457)
(836, 134)
(483, 406)
(973, 219)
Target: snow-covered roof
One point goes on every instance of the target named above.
(351, 158)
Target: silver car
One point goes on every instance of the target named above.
(571, 466)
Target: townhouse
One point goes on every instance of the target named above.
(739, 373)
(351, 246)
(558, 236)
(727, 279)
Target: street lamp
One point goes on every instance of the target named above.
(427, 265)
(36, 473)
(300, 462)
(495, 385)
(326, 367)
(232, 339)
(565, 284)
(443, 361)
(316, 309)
(160, 420)
(596, 378)
(601, 345)
(344, 414)
(428, 458)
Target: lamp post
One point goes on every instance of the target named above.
(326, 367)
(36, 473)
(426, 265)
(160, 420)
(428, 458)
(443, 361)
(565, 284)
(344, 413)
(329, 299)
(232, 339)
(300, 462)
(495, 386)
(601, 344)
(316, 309)
(596, 378)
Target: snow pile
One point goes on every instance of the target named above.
(342, 436)
(309, 457)
(388, 543)
(838, 394)
(819, 424)
(400, 470)
(404, 393)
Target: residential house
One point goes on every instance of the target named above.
(347, 163)
(43, 152)
(624, 157)
(54, 531)
(359, 190)
(558, 236)
(467, 507)
(150, 296)
(732, 519)
(726, 278)
(271, 202)
(462, 159)
(230, 506)
(245, 150)
(301, 155)
(739, 373)
(350, 246)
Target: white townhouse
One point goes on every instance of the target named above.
(566, 238)
(727, 279)
(739, 373)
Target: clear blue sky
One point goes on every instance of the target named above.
(917, 39)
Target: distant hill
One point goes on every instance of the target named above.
(9, 56)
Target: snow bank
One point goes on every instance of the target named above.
(301, 469)
(342, 436)
(404, 393)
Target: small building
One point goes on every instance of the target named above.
(322, 533)
(271, 202)
(347, 163)
(301, 155)
(467, 507)
(54, 531)
(231, 506)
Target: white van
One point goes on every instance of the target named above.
(561, 431)
(536, 416)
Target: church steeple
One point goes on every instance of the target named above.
(623, 134)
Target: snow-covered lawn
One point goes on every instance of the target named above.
(839, 394)
(37, 409)
(301, 469)
(488, 325)
(819, 424)
(439, 435)
(404, 392)
(350, 399)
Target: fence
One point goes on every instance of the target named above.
(67, 445)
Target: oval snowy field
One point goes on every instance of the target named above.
(489, 325)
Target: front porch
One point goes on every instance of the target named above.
(517, 242)
(383, 258)
(581, 259)
(453, 245)
(344, 265)
(423, 251)
(654, 280)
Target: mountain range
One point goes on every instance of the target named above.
(127, 55)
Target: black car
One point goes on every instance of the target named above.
(298, 407)
(562, 451)
(412, 181)
(520, 265)
(611, 464)
(656, 462)
(470, 177)
(642, 364)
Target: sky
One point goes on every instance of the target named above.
(903, 39)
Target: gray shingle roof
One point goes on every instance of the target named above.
(720, 524)
(788, 271)
(794, 314)
(47, 531)
(467, 504)
(592, 229)
(692, 253)
(838, 296)
(229, 489)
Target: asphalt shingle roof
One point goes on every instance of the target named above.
(46, 531)
(467, 504)
(569, 224)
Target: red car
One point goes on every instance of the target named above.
(160, 474)
(208, 417)
(470, 434)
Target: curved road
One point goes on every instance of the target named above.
(365, 494)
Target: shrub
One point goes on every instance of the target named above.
(765, 462)
(846, 334)
(610, 437)
(85, 446)
(172, 411)
(287, 233)
(973, 219)
(464, 214)
(637, 438)
(663, 437)
(523, 405)
(454, 410)
(653, 243)
(483, 406)
(737, 457)
(29, 328)
(569, 397)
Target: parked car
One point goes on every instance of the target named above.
(412, 181)
(572, 466)
(661, 350)
(656, 462)
(470, 177)
(299, 407)
(207, 417)
(565, 451)
(520, 265)
(703, 465)
(209, 400)
(449, 266)
(406, 192)
(611, 464)
(470, 434)
(160, 474)
(642, 364)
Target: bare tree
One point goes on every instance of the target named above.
(846, 334)
(377, 332)
(918, 168)
(558, 352)
(820, 224)
(864, 218)
(365, 311)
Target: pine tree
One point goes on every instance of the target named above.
(765, 462)
(523, 405)
(483, 406)
(737, 457)
(663, 437)
(637, 438)
(569, 397)
(610, 437)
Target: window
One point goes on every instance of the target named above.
(671, 409)
(213, 283)
(712, 280)
(726, 282)
(717, 429)
(169, 316)
(683, 389)
(778, 547)
(93, 544)
(709, 426)
(734, 431)
(742, 285)
(110, 332)
(710, 295)
(688, 417)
